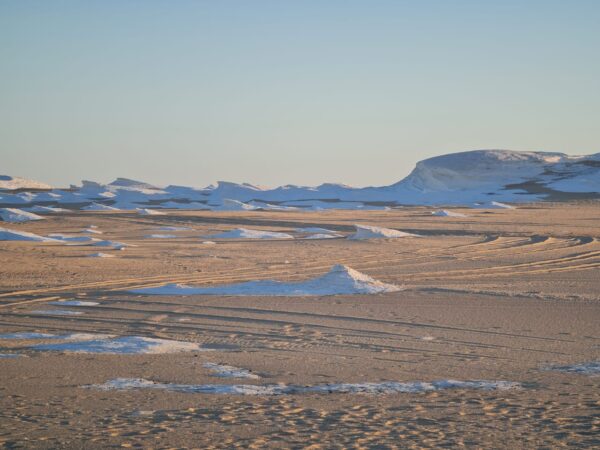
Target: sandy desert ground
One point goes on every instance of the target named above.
(498, 295)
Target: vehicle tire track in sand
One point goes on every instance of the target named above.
(301, 273)
(316, 267)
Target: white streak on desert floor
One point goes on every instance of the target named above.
(388, 387)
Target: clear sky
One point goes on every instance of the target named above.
(289, 91)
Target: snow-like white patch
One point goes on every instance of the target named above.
(209, 243)
(56, 312)
(83, 336)
(501, 205)
(104, 343)
(27, 335)
(14, 235)
(101, 255)
(323, 236)
(71, 238)
(315, 230)
(446, 213)
(123, 345)
(588, 368)
(340, 280)
(370, 232)
(11, 183)
(99, 207)
(15, 215)
(388, 387)
(10, 355)
(233, 205)
(149, 212)
(245, 233)
(107, 194)
(113, 244)
(174, 229)
(73, 303)
(46, 209)
(225, 371)
(160, 236)
(269, 207)
(92, 230)
(493, 205)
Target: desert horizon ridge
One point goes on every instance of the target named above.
(477, 178)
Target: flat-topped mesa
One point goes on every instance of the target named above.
(478, 169)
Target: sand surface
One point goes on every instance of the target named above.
(497, 295)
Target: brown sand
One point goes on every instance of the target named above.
(498, 295)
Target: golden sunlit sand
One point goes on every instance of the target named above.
(496, 295)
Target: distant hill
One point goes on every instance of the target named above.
(12, 183)
(479, 178)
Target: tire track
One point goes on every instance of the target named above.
(372, 260)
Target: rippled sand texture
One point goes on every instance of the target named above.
(497, 295)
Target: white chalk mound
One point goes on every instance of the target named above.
(13, 235)
(46, 209)
(446, 213)
(340, 280)
(112, 244)
(92, 229)
(323, 236)
(56, 312)
(71, 238)
(233, 205)
(149, 212)
(493, 205)
(101, 255)
(17, 215)
(73, 303)
(586, 368)
(226, 371)
(245, 233)
(369, 232)
(311, 230)
(99, 207)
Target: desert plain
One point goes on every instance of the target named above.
(509, 295)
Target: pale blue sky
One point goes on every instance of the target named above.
(282, 91)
